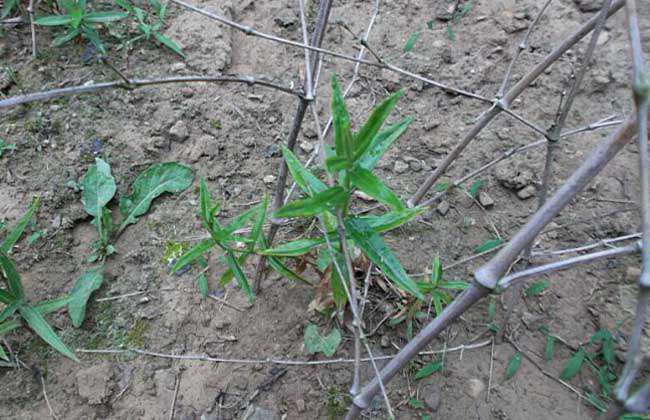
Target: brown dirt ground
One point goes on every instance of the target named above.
(54, 146)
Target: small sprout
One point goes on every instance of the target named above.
(513, 365)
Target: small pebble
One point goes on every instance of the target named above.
(400, 167)
(485, 200)
(527, 192)
(475, 387)
(443, 208)
(269, 179)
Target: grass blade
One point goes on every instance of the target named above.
(366, 135)
(8, 269)
(313, 205)
(37, 323)
(14, 235)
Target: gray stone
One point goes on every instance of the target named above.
(384, 341)
(269, 179)
(400, 166)
(431, 395)
(527, 192)
(589, 5)
(443, 208)
(444, 9)
(485, 200)
(179, 131)
(258, 413)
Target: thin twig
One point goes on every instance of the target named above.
(138, 83)
(175, 397)
(32, 29)
(602, 242)
(47, 401)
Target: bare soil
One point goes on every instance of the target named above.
(234, 133)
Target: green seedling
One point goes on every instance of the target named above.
(99, 189)
(150, 25)
(316, 343)
(80, 21)
(18, 311)
(4, 147)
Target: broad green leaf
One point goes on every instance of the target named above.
(365, 137)
(374, 187)
(341, 123)
(488, 245)
(536, 288)
(573, 366)
(8, 270)
(169, 43)
(376, 250)
(476, 185)
(306, 180)
(89, 281)
(394, 219)
(429, 369)
(104, 17)
(17, 231)
(98, 188)
(233, 264)
(193, 253)
(53, 20)
(66, 37)
(513, 365)
(312, 206)
(294, 248)
(548, 348)
(436, 271)
(412, 39)
(37, 323)
(316, 343)
(169, 177)
(381, 143)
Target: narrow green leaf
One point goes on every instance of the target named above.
(37, 323)
(193, 253)
(104, 17)
(364, 138)
(381, 143)
(305, 179)
(8, 326)
(376, 250)
(316, 343)
(53, 305)
(313, 205)
(488, 245)
(492, 311)
(429, 369)
(394, 219)
(17, 231)
(277, 264)
(53, 20)
(8, 269)
(548, 349)
(233, 264)
(437, 302)
(205, 205)
(169, 43)
(436, 271)
(341, 123)
(7, 297)
(536, 288)
(454, 285)
(294, 248)
(89, 281)
(573, 366)
(3, 355)
(412, 39)
(239, 222)
(93, 36)
(335, 164)
(9, 310)
(203, 285)
(66, 37)
(513, 365)
(256, 231)
(159, 178)
(476, 185)
(374, 187)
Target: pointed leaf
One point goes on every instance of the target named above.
(548, 348)
(436, 271)
(454, 285)
(104, 17)
(203, 285)
(233, 264)
(8, 269)
(412, 39)
(37, 323)
(316, 343)
(53, 20)
(429, 369)
(7, 297)
(374, 187)
(381, 143)
(376, 250)
(488, 245)
(193, 253)
(159, 178)
(513, 365)
(256, 232)
(89, 281)
(9, 310)
(366, 135)
(294, 248)
(573, 366)
(169, 43)
(66, 37)
(205, 205)
(53, 305)
(394, 219)
(306, 180)
(341, 123)
(14, 234)
(313, 205)
(536, 288)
